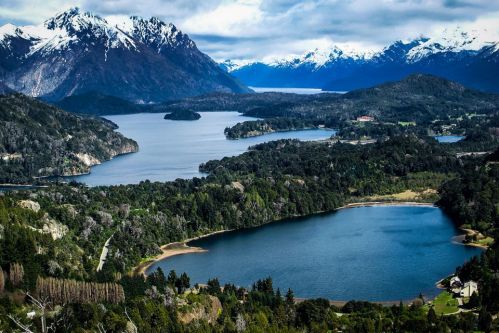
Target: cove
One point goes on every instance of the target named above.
(378, 253)
(171, 149)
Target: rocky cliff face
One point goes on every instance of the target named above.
(47, 141)
(75, 52)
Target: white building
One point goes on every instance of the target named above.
(469, 288)
(455, 282)
(365, 118)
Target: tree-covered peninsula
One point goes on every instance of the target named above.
(39, 140)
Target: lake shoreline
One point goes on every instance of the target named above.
(174, 249)
(182, 247)
(470, 232)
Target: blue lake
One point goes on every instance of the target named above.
(175, 149)
(449, 138)
(300, 91)
(367, 253)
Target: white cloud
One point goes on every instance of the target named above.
(238, 18)
(259, 29)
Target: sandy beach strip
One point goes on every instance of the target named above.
(469, 232)
(386, 203)
(174, 249)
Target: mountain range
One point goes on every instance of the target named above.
(468, 57)
(76, 52)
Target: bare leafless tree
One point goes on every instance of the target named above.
(101, 328)
(24, 328)
(42, 304)
(135, 329)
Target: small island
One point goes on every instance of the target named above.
(183, 115)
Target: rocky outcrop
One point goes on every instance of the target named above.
(29, 204)
(197, 311)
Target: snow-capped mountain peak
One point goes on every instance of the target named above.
(158, 34)
(321, 57)
(9, 30)
(231, 65)
(452, 40)
(152, 32)
(73, 20)
(75, 26)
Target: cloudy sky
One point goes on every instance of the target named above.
(263, 29)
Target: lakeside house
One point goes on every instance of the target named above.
(468, 289)
(365, 118)
(455, 284)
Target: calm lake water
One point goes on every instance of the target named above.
(300, 91)
(367, 253)
(449, 138)
(174, 149)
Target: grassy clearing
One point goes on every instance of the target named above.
(407, 123)
(445, 304)
(408, 195)
(487, 241)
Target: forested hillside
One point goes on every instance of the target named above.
(58, 233)
(38, 140)
(419, 102)
(270, 182)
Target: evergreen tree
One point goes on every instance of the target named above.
(290, 298)
(183, 283)
(2, 281)
(172, 279)
(432, 316)
(484, 320)
(474, 301)
(158, 279)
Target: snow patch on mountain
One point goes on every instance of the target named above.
(235, 64)
(10, 31)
